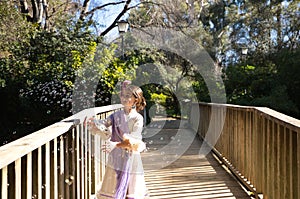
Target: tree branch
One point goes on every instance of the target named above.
(125, 9)
(85, 7)
(103, 6)
(45, 5)
(148, 2)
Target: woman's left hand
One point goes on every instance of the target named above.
(125, 144)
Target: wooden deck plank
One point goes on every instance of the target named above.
(190, 176)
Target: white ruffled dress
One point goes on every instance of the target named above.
(136, 186)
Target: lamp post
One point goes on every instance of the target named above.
(244, 54)
(122, 27)
(244, 51)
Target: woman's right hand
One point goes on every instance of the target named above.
(97, 127)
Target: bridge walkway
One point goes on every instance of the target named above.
(188, 175)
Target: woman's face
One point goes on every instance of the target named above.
(127, 98)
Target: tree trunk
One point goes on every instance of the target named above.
(279, 29)
(85, 8)
(35, 11)
(40, 11)
(45, 7)
(24, 7)
(25, 10)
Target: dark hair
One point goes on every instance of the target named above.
(138, 94)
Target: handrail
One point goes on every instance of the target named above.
(260, 145)
(18, 148)
(62, 160)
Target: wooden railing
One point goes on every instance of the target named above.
(60, 161)
(260, 145)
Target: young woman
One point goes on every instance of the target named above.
(124, 174)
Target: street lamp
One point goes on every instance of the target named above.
(244, 54)
(244, 50)
(122, 27)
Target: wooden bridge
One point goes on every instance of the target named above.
(221, 151)
(190, 176)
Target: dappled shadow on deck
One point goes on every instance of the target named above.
(188, 175)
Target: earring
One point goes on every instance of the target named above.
(133, 106)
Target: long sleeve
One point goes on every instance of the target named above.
(135, 135)
(137, 128)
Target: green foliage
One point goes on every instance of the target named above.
(201, 89)
(13, 27)
(279, 100)
(37, 76)
(53, 59)
(288, 75)
(244, 83)
(39, 69)
(159, 98)
(260, 86)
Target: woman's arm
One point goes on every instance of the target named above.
(133, 141)
(99, 127)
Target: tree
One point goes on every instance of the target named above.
(43, 44)
(13, 27)
(269, 29)
(47, 13)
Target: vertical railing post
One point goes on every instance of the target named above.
(29, 176)
(18, 179)
(73, 172)
(78, 178)
(4, 194)
(47, 171)
(82, 163)
(89, 165)
(85, 161)
(39, 173)
(61, 168)
(66, 166)
(55, 169)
